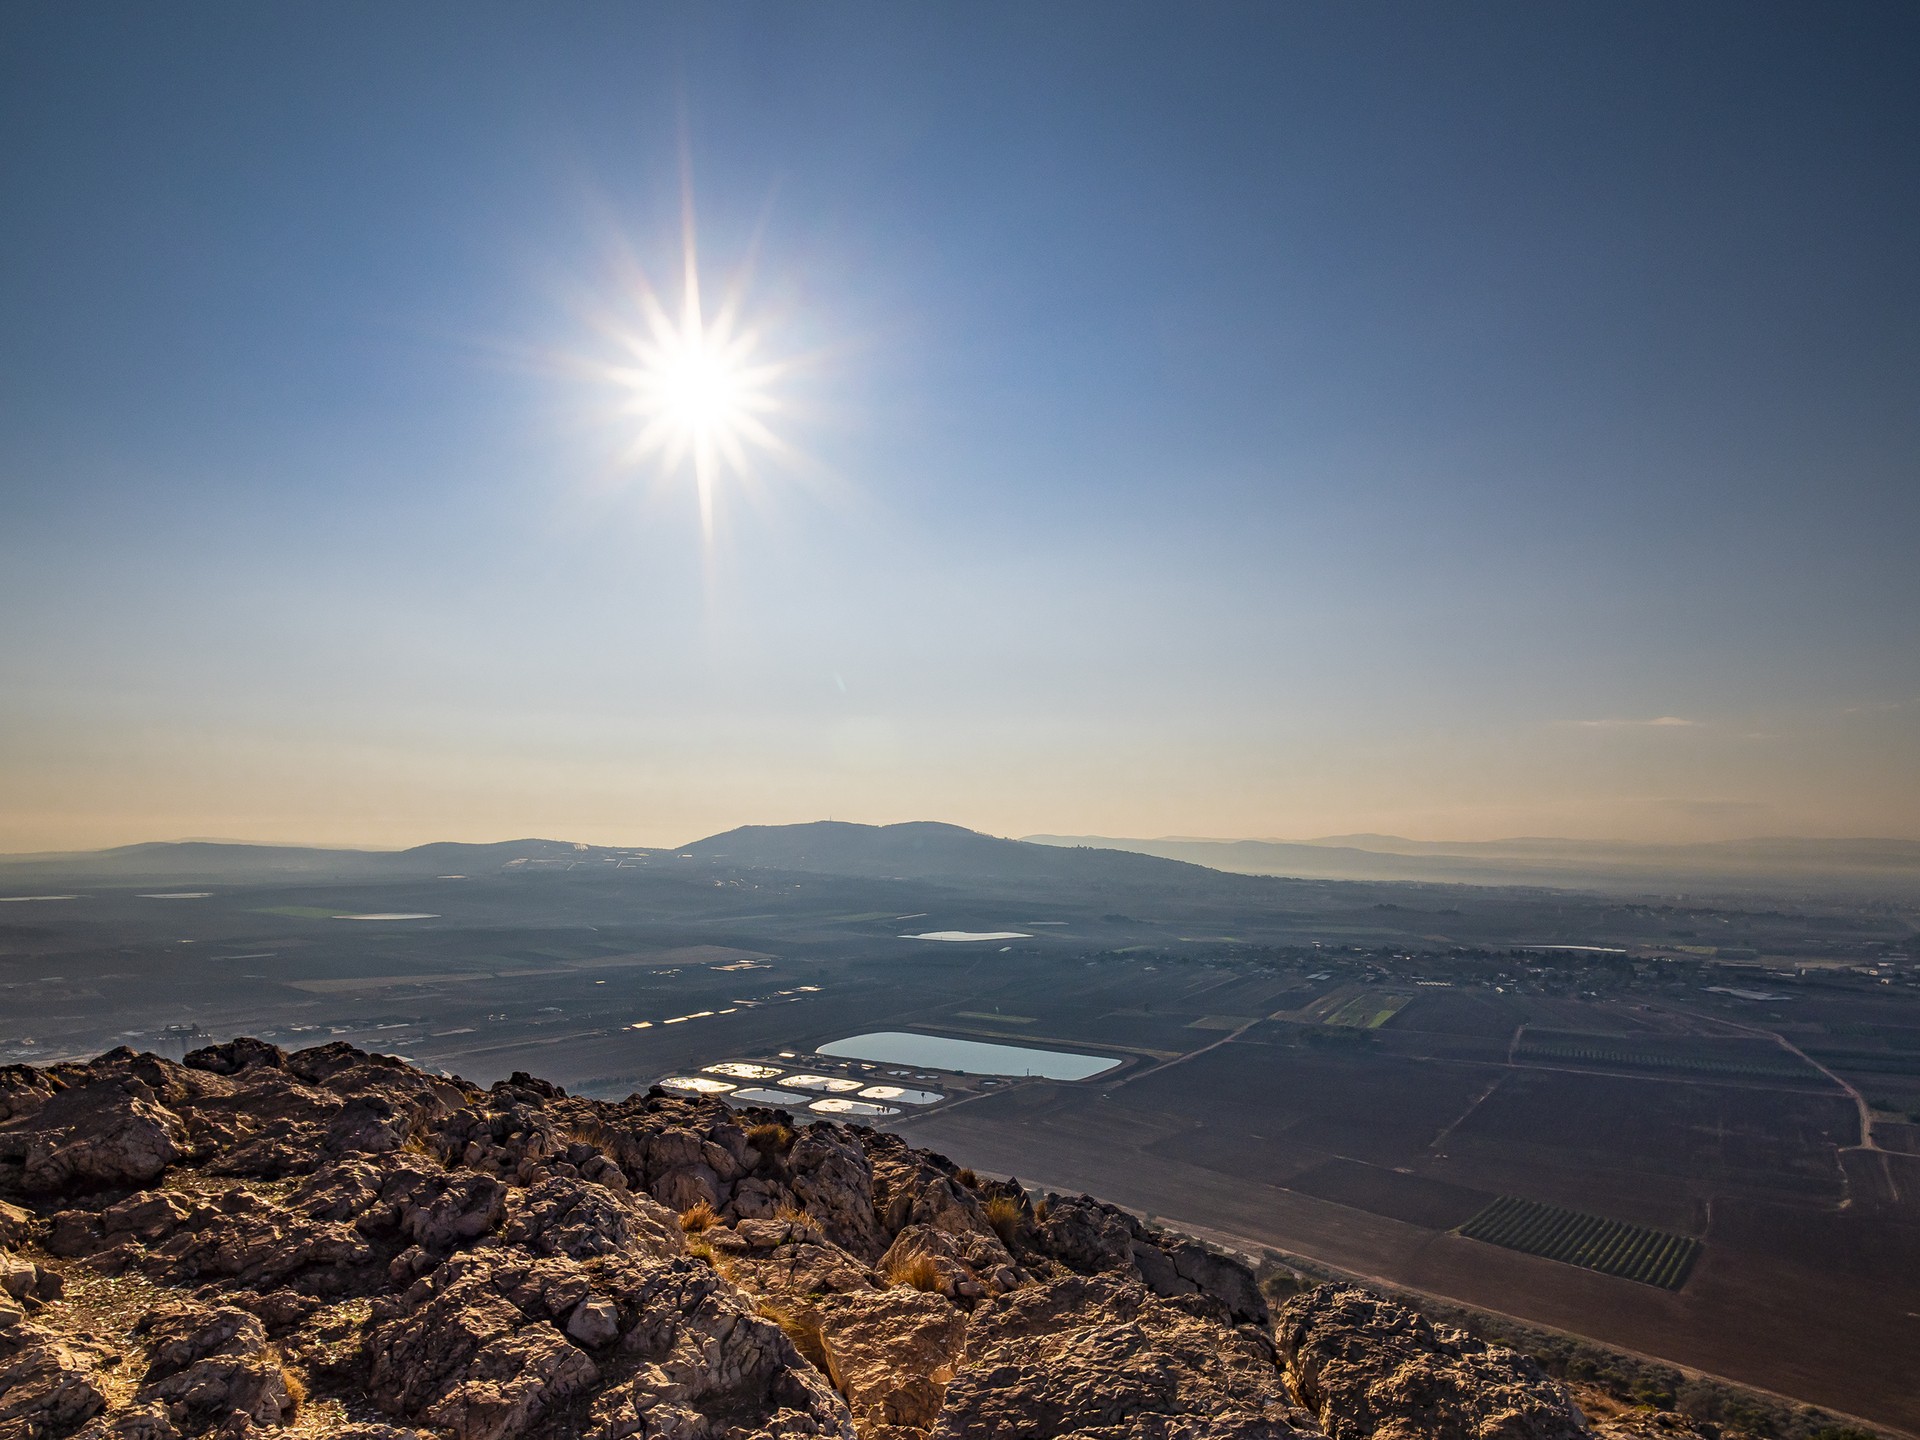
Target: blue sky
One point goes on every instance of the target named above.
(1234, 420)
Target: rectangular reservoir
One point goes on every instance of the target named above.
(968, 1057)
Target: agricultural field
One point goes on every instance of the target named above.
(1736, 1060)
(1369, 1012)
(1613, 1247)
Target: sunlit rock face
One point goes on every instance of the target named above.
(333, 1243)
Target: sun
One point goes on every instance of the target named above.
(701, 387)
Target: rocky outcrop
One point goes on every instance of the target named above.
(1102, 1356)
(211, 1368)
(47, 1387)
(891, 1353)
(1368, 1367)
(328, 1241)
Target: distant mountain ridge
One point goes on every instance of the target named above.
(1886, 868)
(240, 861)
(915, 850)
(1873, 869)
(931, 850)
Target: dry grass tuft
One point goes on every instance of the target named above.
(921, 1272)
(1006, 1218)
(770, 1138)
(802, 1327)
(591, 1132)
(296, 1387)
(967, 1178)
(795, 1214)
(698, 1217)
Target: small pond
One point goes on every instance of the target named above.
(696, 1085)
(964, 935)
(837, 1106)
(901, 1096)
(779, 1099)
(820, 1082)
(742, 1070)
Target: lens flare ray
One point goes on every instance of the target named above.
(700, 385)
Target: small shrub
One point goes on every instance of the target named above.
(698, 1217)
(1005, 1216)
(1278, 1283)
(921, 1272)
(1650, 1391)
(770, 1138)
(968, 1179)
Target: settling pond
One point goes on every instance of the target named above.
(968, 1057)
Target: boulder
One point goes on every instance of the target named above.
(206, 1365)
(595, 1322)
(968, 1265)
(1219, 1277)
(47, 1387)
(685, 1186)
(891, 1353)
(235, 1056)
(16, 1226)
(833, 1180)
(109, 1133)
(1084, 1235)
(246, 1239)
(26, 1283)
(580, 1219)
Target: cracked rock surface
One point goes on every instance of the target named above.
(331, 1243)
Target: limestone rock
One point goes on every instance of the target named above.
(968, 1265)
(46, 1386)
(892, 1353)
(1102, 1356)
(833, 1178)
(207, 1365)
(594, 1322)
(1369, 1367)
(112, 1132)
(922, 1190)
(16, 1225)
(236, 1055)
(1085, 1235)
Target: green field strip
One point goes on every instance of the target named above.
(1878, 1061)
(1369, 1012)
(1593, 1242)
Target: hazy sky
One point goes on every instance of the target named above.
(1268, 420)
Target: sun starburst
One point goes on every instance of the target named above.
(701, 386)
